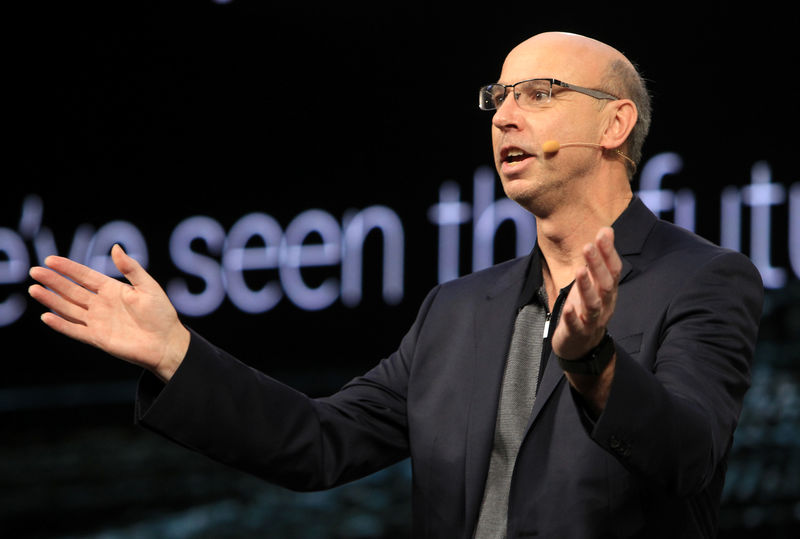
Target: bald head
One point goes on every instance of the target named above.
(586, 62)
(571, 57)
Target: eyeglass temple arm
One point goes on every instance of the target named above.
(588, 91)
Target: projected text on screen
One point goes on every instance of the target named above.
(203, 252)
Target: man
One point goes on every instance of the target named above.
(590, 389)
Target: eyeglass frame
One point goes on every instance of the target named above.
(597, 94)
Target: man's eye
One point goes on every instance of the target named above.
(532, 94)
(535, 95)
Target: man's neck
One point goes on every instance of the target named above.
(563, 233)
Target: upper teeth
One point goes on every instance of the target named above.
(515, 153)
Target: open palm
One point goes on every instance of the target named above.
(135, 322)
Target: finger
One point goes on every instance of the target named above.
(571, 320)
(70, 329)
(130, 268)
(605, 245)
(603, 261)
(590, 301)
(64, 308)
(62, 286)
(598, 269)
(83, 275)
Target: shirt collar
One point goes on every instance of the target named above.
(533, 279)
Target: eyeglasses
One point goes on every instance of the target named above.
(531, 93)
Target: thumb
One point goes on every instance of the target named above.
(129, 267)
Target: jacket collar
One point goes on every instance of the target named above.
(630, 232)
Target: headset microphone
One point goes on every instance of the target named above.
(552, 146)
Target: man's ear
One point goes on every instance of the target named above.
(622, 115)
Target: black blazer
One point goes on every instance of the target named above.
(652, 465)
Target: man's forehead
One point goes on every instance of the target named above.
(520, 67)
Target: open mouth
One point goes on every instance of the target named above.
(515, 155)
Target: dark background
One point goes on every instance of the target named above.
(152, 112)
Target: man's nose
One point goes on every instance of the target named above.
(507, 114)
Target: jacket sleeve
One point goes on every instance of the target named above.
(232, 413)
(673, 422)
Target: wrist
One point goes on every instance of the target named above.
(174, 353)
(592, 363)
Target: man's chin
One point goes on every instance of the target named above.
(522, 195)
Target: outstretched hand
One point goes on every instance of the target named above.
(585, 316)
(591, 301)
(135, 322)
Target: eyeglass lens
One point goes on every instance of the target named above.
(529, 94)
